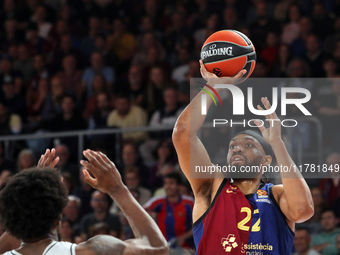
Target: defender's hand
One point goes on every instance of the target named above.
(225, 80)
(273, 133)
(106, 176)
(48, 160)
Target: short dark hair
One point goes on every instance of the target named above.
(174, 176)
(329, 210)
(303, 228)
(31, 201)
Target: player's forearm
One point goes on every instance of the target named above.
(295, 187)
(191, 119)
(142, 224)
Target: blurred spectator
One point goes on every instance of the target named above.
(136, 89)
(132, 181)
(325, 242)
(280, 67)
(97, 67)
(314, 56)
(12, 35)
(127, 115)
(331, 186)
(168, 115)
(298, 68)
(8, 74)
(211, 26)
(131, 159)
(26, 159)
(14, 101)
(24, 63)
(72, 213)
(66, 231)
(100, 228)
(35, 43)
(330, 42)
(99, 86)
(164, 155)
(331, 68)
(70, 76)
(299, 44)
(302, 243)
(40, 19)
(323, 25)
(68, 181)
(173, 212)
(40, 72)
(329, 112)
(64, 164)
(262, 25)
(69, 118)
(52, 103)
(100, 205)
(9, 123)
(291, 29)
(121, 43)
(84, 192)
(158, 81)
(6, 164)
(270, 50)
(313, 224)
(100, 44)
(98, 119)
(87, 44)
(66, 48)
(149, 41)
(35, 109)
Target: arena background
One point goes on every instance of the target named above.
(70, 69)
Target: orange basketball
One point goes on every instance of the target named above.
(227, 52)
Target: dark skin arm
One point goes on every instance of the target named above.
(106, 178)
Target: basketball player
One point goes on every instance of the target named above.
(241, 215)
(32, 202)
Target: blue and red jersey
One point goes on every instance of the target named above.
(243, 224)
(173, 219)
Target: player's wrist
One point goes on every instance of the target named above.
(275, 141)
(118, 192)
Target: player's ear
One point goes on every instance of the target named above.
(267, 160)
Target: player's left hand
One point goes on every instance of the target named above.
(273, 133)
(106, 177)
(47, 160)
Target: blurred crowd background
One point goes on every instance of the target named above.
(94, 64)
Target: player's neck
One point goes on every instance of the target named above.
(40, 244)
(247, 186)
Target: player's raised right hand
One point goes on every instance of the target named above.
(105, 176)
(222, 80)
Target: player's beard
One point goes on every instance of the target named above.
(238, 175)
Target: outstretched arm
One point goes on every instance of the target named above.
(186, 128)
(107, 179)
(293, 196)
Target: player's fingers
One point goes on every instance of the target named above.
(260, 126)
(90, 167)
(90, 155)
(260, 108)
(55, 162)
(240, 74)
(106, 159)
(89, 180)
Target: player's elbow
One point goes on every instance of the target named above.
(179, 133)
(303, 213)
